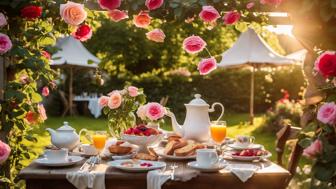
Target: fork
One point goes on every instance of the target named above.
(173, 167)
(87, 162)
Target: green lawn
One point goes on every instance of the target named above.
(237, 124)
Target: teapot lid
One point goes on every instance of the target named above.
(65, 127)
(198, 101)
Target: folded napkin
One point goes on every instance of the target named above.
(84, 179)
(156, 178)
(243, 171)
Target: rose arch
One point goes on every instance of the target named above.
(28, 30)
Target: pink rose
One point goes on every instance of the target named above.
(4, 152)
(132, 91)
(153, 4)
(5, 43)
(250, 5)
(141, 112)
(24, 79)
(193, 44)
(313, 150)
(209, 14)
(155, 111)
(207, 65)
(73, 13)
(82, 33)
(42, 112)
(109, 4)
(327, 113)
(156, 35)
(231, 17)
(114, 100)
(3, 20)
(103, 101)
(325, 64)
(142, 20)
(45, 91)
(117, 15)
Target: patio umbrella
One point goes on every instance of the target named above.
(72, 55)
(250, 50)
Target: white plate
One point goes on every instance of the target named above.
(249, 158)
(251, 146)
(194, 165)
(136, 168)
(71, 161)
(159, 152)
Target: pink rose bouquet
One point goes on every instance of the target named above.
(119, 106)
(4, 152)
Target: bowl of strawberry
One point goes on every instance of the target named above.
(142, 136)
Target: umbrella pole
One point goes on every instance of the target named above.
(252, 96)
(70, 92)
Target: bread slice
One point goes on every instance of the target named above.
(186, 150)
(173, 145)
(152, 152)
(173, 137)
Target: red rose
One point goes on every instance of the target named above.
(46, 54)
(83, 33)
(326, 64)
(31, 12)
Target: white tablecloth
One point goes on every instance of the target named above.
(93, 105)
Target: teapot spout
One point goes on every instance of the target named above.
(177, 128)
(51, 131)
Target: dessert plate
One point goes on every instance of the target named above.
(248, 158)
(71, 161)
(131, 165)
(216, 168)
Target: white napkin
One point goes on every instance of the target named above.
(242, 171)
(156, 178)
(86, 179)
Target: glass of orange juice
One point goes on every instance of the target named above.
(99, 139)
(218, 132)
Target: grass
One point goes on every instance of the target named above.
(237, 125)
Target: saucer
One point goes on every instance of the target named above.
(239, 147)
(216, 168)
(71, 161)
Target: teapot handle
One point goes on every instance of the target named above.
(212, 109)
(87, 136)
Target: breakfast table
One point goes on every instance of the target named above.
(270, 175)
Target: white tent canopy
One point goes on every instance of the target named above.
(72, 52)
(252, 51)
(250, 48)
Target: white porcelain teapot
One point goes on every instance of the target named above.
(197, 122)
(64, 137)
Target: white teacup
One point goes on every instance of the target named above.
(88, 149)
(244, 141)
(60, 155)
(207, 158)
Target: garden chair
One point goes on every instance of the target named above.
(287, 133)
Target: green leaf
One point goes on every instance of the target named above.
(36, 98)
(304, 143)
(323, 172)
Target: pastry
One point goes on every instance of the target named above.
(173, 145)
(144, 156)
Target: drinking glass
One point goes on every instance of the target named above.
(218, 132)
(99, 139)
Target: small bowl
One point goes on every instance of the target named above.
(143, 141)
